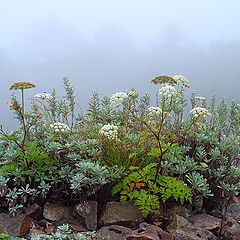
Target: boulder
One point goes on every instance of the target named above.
(206, 221)
(15, 226)
(182, 229)
(55, 212)
(88, 211)
(113, 232)
(234, 211)
(148, 232)
(231, 229)
(179, 210)
(116, 213)
(34, 211)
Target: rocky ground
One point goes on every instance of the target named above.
(124, 222)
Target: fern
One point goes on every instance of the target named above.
(141, 187)
(172, 187)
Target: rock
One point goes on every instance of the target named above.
(113, 232)
(182, 229)
(180, 211)
(15, 226)
(206, 221)
(121, 214)
(56, 212)
(236, 199)
(88, 211)
(231, 229)
(148, 232)
(34, 211)
(234, 211)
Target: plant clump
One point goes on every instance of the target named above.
(122, 148)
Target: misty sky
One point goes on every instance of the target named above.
(114, 45)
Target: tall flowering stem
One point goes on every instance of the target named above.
(21, 111)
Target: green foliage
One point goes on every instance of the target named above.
(64, 233)
(165, 153)
(89, 174)
(145, 189)
(172, 187)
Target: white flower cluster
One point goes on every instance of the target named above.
(199, 98)
(154, 115)
(199, 113)
(110, 131)
(43, 96)
(167, 91)
(59, 127)
(181, 80)
(117, 98)
(154, 112)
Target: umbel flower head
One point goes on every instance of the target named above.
(44, 96)
(199, 113)
(117, 98)
(153, 115)
(167, 91)
(181, 80)
(164, 80)
(154, 111)
(21, 85)
(110, 131)
(59, 127)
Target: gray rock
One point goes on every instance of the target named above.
(56, 212)
(231, 229)
(121, 214)
(180, 211)
(206, 221)
(15, 226)
(34, 211)
(234, 211)
(113, 232)
(88, 211)
(182, 229)
(148, 232)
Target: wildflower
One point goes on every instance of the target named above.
(164, 80)
(199, 113)
(110, 131)
(180, 79)
(167, 91)
(44, 96)
(59, 127)
(21, 85)
(117, 98)
(132, 94)
(15, 106)
(153, 115)
(199, 98)
(154, 111)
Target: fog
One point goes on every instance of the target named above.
(115, 45)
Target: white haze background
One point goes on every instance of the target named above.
(114, 45)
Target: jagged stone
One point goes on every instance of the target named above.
(34, 211)
(113, 232)
(56, 212)
(122, 214)
(206, 221)
(148, 232)
(88, 211)
(182, 229)
(231, 229)
(234, 211)
(180, 211)
(15, 226)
